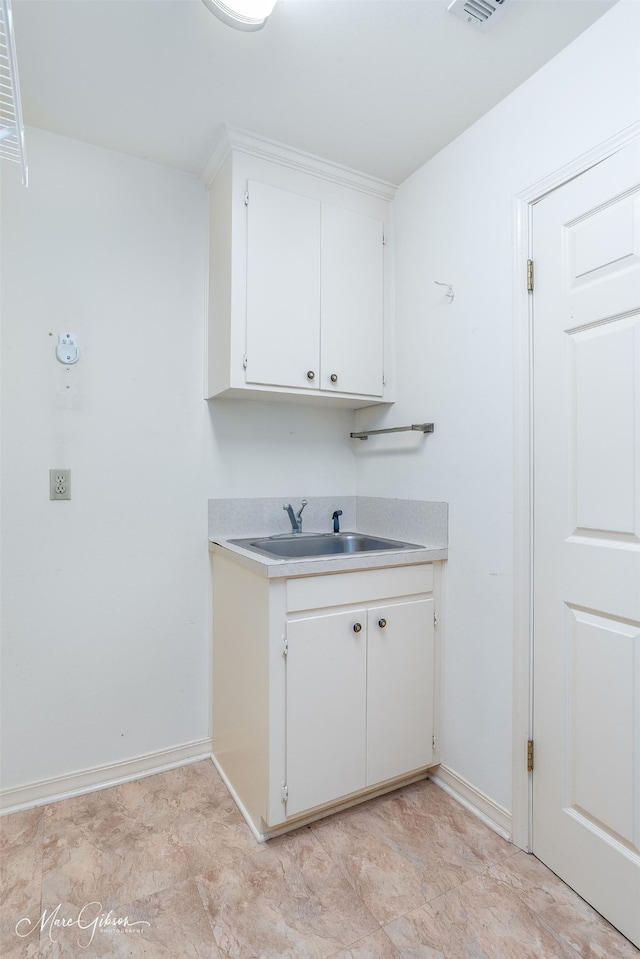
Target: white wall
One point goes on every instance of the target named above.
(454, 223)
(281, 449)
(105, 599)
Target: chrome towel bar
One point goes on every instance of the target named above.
(418, 427)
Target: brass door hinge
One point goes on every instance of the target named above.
(530, 755)
(530, 276)
(285, 792)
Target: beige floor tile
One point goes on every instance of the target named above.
(171, 924)
(376, 946)
(21, 841)
(287, 900)
(196, 786)
(96, 850)
(481, 919)
(451, 822)
(565, 913)
(21, 827)
(15, 948)
(172, 850)
(140, 837)
(409, 847)
(193, 804)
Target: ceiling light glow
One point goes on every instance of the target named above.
(242, 14)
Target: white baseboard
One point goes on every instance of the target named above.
(101, 777)
(241, 806)
(496, 817)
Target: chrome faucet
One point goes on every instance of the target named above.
(295, 518)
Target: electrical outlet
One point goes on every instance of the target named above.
(59, 484)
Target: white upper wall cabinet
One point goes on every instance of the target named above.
(299, 277)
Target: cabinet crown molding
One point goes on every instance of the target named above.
(240, 141)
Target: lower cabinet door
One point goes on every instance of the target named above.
(400, 689)
(326, 708)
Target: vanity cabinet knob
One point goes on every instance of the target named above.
(311, 375)
(334, 377)
(357, 627)
(382, 623)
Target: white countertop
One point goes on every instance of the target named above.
(314, 565)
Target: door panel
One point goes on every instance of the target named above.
(604, 241)
(602, 655)
(326, 708)
(586, 427)
(602, 375)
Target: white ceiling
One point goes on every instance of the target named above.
(377, 85)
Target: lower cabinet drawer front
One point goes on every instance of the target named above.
(361, 586)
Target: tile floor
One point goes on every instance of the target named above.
(411, 875)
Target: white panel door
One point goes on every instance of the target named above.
(326, 709)
(586, 343)
(352, 293)
(283, 288)
(400, 689)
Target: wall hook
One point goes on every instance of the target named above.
(449, 287)
(67, 350)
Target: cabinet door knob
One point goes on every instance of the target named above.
(382, 623)
(334, 377)
(357, 627)
(311, 375)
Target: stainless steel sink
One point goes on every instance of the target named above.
(305, 545)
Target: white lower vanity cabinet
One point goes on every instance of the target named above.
(323, 687)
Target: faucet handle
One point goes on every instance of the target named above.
(304, 503)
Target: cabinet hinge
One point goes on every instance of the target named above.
(435, 618)
(285, 792)
(530, 276)
(384, 238)
(244, 361)
(384, 379)
(285, 646)
(433, 742)
(530, 755)
(246, 198)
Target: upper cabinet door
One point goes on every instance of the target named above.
(283, 288)
(352, 297)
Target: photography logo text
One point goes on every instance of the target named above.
(90, 919)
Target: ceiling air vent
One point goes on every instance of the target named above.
(478, 12)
